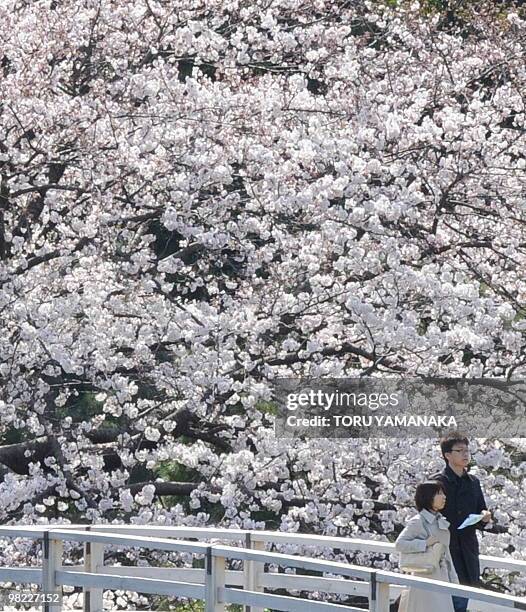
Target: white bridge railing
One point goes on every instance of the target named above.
(216, 585)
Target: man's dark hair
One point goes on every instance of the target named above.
(448, 442)
(425, 492)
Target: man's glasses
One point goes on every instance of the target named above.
(464, 451)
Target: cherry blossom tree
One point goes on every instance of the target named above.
(198, 198)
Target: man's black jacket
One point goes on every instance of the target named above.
(464, 497)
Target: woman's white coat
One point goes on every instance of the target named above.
(413, 539)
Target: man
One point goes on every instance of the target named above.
(464, 497)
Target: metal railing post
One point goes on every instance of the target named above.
(252, 571)
(51, 562)
(378, 594)
(214, 580)
(93, 557)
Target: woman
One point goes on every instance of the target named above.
(423, 530)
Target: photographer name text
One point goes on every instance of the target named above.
(399, 420)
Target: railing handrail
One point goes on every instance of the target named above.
(164, 544)
(271, 537)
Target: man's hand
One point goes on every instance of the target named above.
(486, 518)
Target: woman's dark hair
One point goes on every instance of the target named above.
(425, 492)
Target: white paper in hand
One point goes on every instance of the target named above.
(472, 519)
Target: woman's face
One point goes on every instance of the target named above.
(439, 501)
